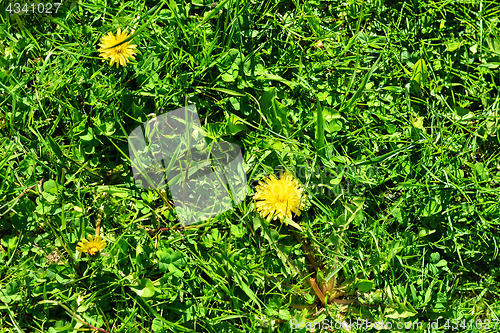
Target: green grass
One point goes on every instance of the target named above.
(398, 103)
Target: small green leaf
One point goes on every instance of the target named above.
(89, 136)
(226, 77)
(442, 263)
(462, 112)
(422, 232)
(481, 171)
(493, 44)
(9, 241)
(293, 224)
(418, 122)
(452, 45)
(237, 231)
(52, 187)
(171, 261)
(157, 325)
(235, 125)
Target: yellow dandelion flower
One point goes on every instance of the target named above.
(91, 245)
(117, 54)
(279, 197)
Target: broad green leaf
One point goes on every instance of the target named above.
(9, 241)
(364, 285)
(419, 73)
(145, 288)
(274, 111)
(432, 207)
(274, 77)
(235, 125)
(157, 325)
(226, 77)
(442, 263)
(493, 44)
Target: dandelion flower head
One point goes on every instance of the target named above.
(278, 198)
(91, 245)
(119, 54)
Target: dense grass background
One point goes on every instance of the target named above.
(400, 99)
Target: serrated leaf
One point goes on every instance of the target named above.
(400, 314)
